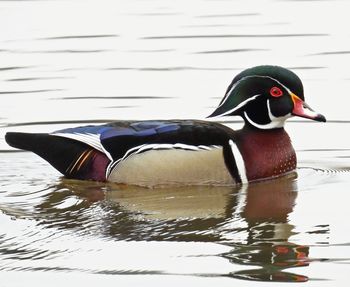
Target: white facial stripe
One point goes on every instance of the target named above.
(246, 77)
(229, 92)
(238, 106)
(239, 162)
(271, 78)
(287, 89)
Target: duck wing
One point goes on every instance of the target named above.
(117, 139)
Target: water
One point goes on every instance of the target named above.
(66, 63)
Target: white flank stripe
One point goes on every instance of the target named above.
(239, 161)
(185, 146)
(205, 147)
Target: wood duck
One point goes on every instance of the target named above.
(189, 152)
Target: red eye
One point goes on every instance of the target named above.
(276, 92)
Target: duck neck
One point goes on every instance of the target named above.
(266, 153)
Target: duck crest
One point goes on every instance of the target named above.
(266, 153)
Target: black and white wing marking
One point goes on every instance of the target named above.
(90, 135)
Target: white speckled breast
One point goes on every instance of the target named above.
(173, 166)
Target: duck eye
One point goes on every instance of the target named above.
(276, 92)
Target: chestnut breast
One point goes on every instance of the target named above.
(266, 153)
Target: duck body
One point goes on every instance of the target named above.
(152, 153)
(190, 152)
(136, 152)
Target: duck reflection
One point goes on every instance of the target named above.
(251, 219)
(265, 212)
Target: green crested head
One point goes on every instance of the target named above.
(266, 96)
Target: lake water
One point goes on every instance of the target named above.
(67, 63)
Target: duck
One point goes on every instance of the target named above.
(187, 152)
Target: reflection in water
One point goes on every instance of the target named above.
(252, 220)
(266, 244)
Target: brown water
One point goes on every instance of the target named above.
(65, 63)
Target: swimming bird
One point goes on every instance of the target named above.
(188, 152)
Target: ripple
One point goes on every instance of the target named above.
(234, 36)
(11, 151)
(130, 272)
(152, 51)
(231, 51)
(30, 91)
(307, 67)
(330, 53)
(38, 79)
(228, 15)
(234, 25)
(156, 14)
(67, 37)
(65, 51)
(120, 107)
(10, 68)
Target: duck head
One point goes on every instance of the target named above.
(266, 96)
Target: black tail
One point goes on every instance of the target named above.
(60, 152)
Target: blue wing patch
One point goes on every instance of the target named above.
(96, 136)
(146, 128)
(140, 129)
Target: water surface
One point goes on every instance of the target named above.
(69, 63)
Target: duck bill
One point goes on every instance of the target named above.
(301, 109)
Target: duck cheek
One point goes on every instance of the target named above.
(258, 112)
(281, 107)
